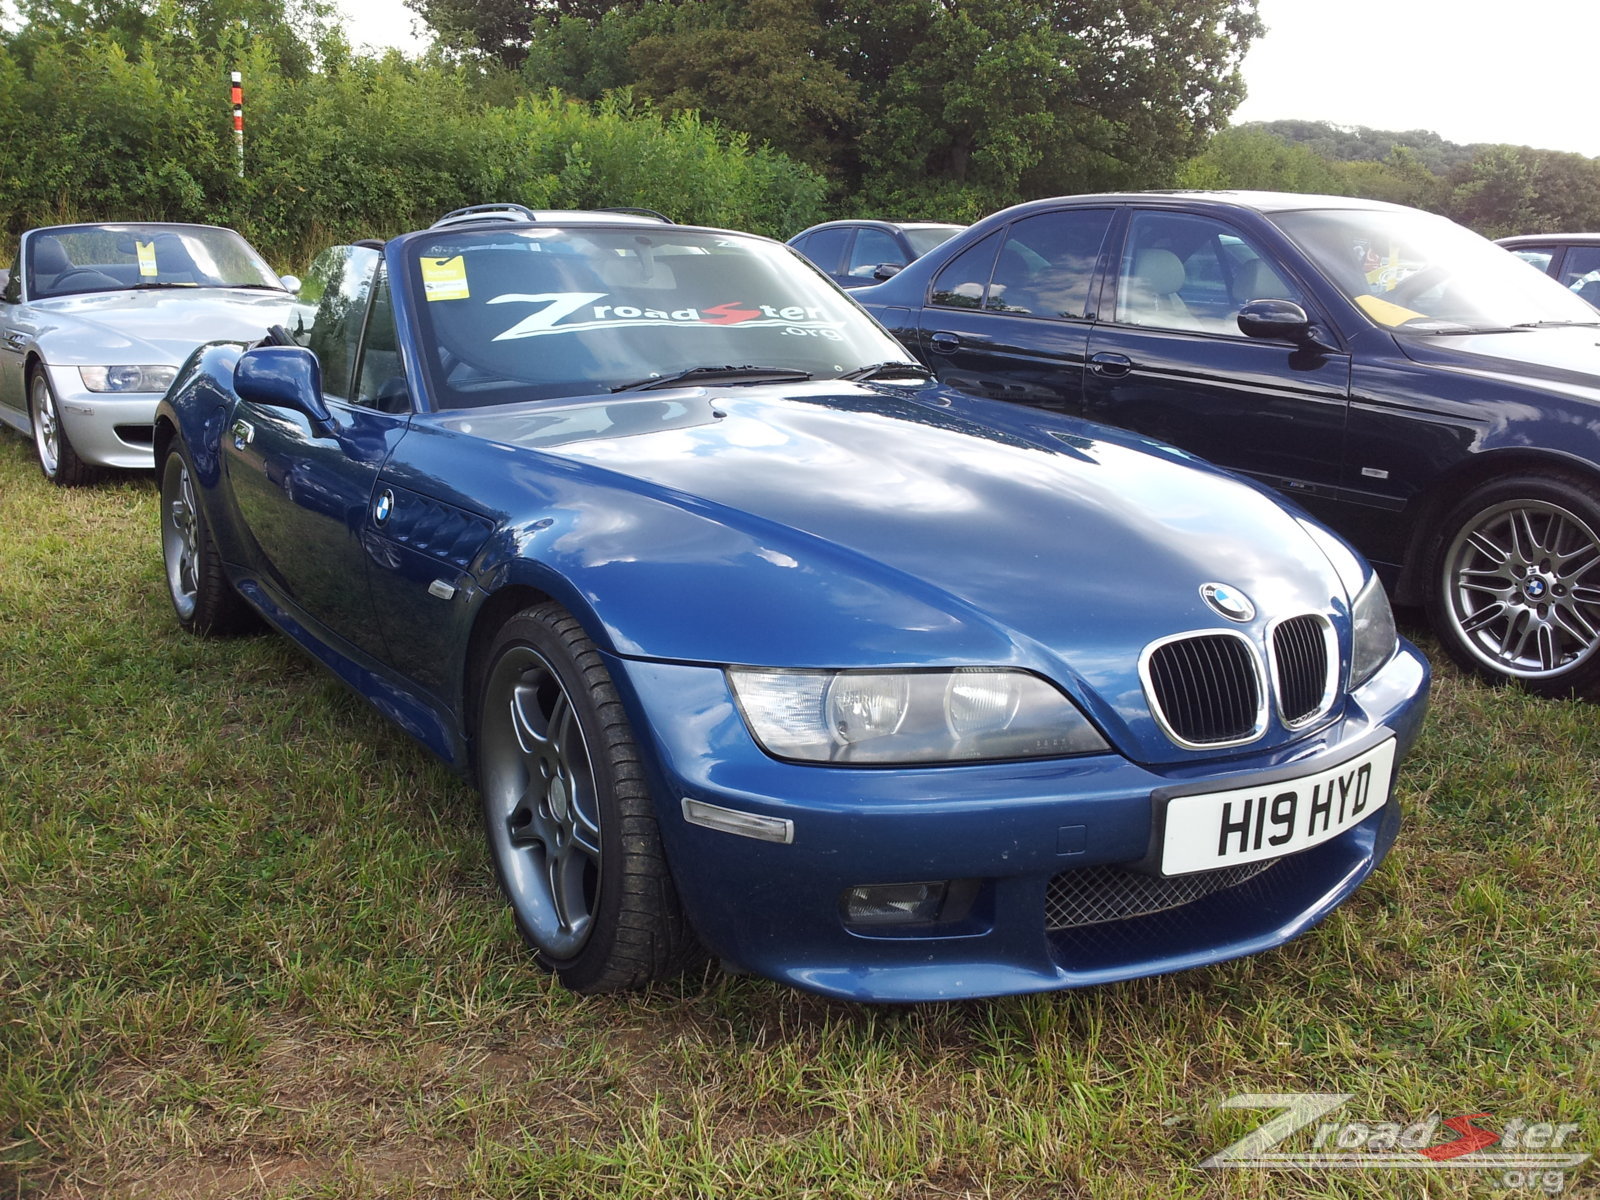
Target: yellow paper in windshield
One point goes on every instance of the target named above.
(1384, 312)
(147, 257)
(444, 278)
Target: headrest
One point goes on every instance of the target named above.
(1160, 271)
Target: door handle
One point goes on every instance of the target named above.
(243, 434)
(944, 343)
(1111, 365)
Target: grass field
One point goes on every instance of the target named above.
(250, 946)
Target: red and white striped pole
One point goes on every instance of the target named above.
(238, 121)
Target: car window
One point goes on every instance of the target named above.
(546, 312)
(925, 237)
(331, 308)
(963, 281)
(873, 248)
(1181, 271)
(381, 381)
(826, 248)
(1415, 271)
(1581, 272)
(1536, 256)
(1047, 263)
(71, 259)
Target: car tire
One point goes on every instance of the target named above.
(569, 821)
(1515, 591)
(205, 602)
(57, 458)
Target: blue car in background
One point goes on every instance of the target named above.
(758, 643)
(861, 253)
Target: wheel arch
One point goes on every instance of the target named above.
(501, 605)
(1414, 583)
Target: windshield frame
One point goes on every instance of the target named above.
(1411, 272)
(492, 328)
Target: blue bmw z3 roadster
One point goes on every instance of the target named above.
(758, 643)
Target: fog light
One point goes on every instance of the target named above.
(894, 903)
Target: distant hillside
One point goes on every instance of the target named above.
(1357, 143)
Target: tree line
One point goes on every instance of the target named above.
(759, 114)
(1498, 190)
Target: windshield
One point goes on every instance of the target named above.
(525, 313)
(70, 259)
(1419, 273)
(925, 237)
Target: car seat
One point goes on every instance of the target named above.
(1149, 295)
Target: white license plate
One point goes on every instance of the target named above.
(1248, 824)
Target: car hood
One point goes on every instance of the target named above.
(159, 327)
(874, 529)
(1564, 358)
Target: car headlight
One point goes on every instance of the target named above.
(910, 717)
(127, 379)
(1373, 634)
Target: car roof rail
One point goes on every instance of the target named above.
(639, 212)
(486, 212)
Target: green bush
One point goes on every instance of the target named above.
(361, 147)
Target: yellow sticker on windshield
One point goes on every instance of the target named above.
(1386, 312)
(147, 257)
(444, 278)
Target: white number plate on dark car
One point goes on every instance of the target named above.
(1247, 824)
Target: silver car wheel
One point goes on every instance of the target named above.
(540, 801)
(46, 425)
(179, 536)
(1522, 588)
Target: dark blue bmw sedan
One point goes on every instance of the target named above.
(758, 643)
(1427, 395)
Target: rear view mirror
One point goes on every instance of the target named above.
(1281, 320)
(284, 377)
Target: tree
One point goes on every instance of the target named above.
(290, 29)
(1001, 98)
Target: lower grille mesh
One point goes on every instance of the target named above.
(1095, 895)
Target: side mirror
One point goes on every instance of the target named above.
(887, 270)
(284, 377)
(291, 283)
(1281, 320)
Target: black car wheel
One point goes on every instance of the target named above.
(203, 599)
(1516, 591)
(57, 458)
(569, 820)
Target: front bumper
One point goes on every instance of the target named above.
(106, 429)
(1014, 834)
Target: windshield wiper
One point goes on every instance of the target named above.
(146, 286)
(719, 374)
(884, 370)
(1557, 325)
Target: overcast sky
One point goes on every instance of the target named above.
(1470, 70)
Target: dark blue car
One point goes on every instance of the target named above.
(1405, 380)
(758, 643)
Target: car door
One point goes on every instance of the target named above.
(303, 493)
(17, 330)
(1167, 358)
(1009, 317)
